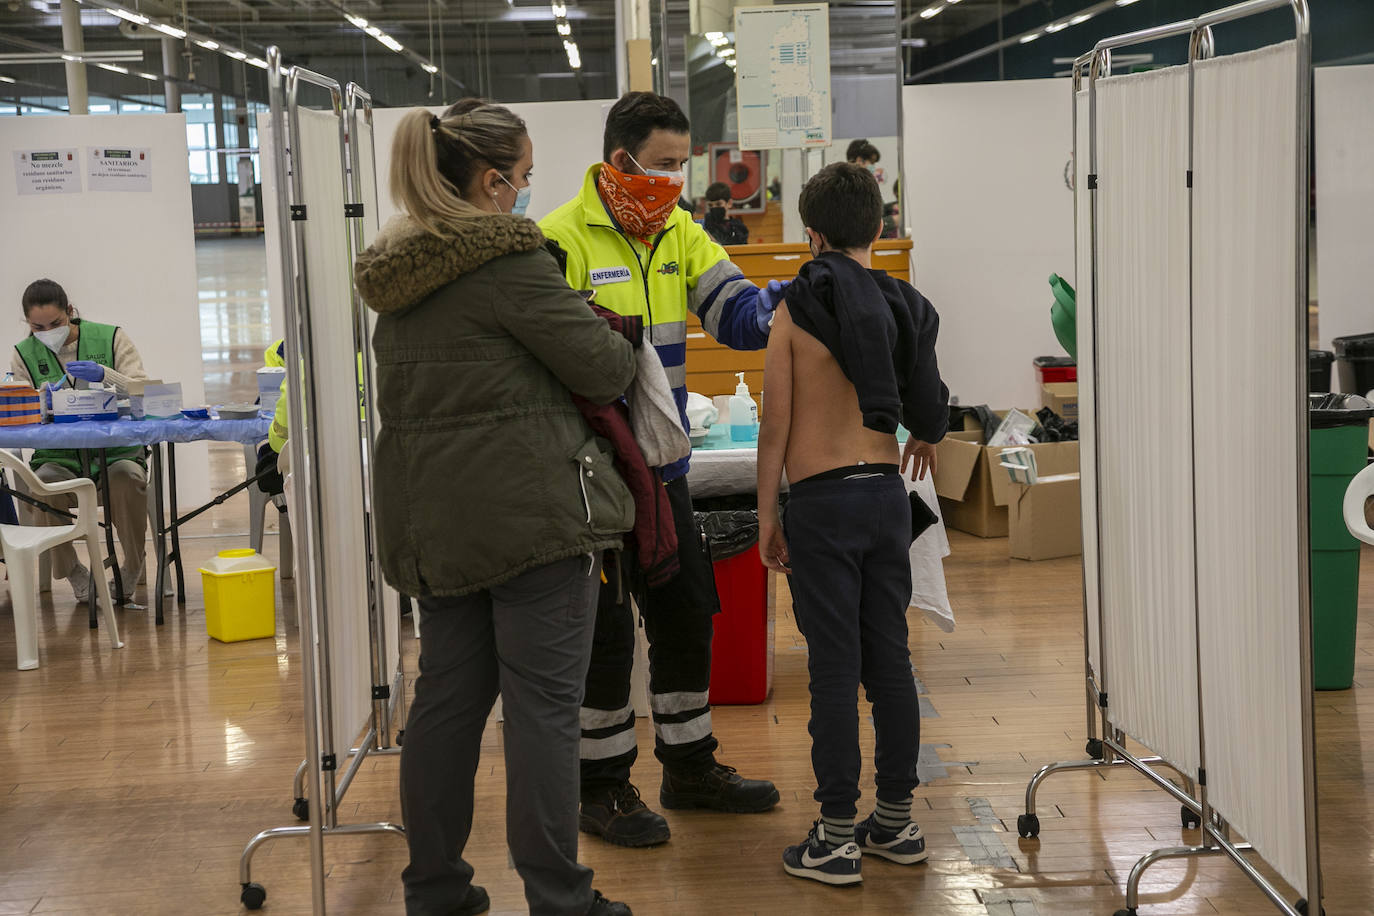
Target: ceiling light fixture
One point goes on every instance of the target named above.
(725, 52)
(125, 14)
(1126, 2)
(712, 36)
(564, 28)
(113, 68)
(560, 9)
(168, 29)
(1027, 39)
(258, 62)
(1056, 27)
(429, 68)
(208, 45)
(1079, 20)
(6, 79)
(931, 12)
(358, 21)
(391, 43)
(237, 55)
(151, 77)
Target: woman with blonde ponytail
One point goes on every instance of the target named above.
(497, 500)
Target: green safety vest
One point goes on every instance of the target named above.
(95, 344)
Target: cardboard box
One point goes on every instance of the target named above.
(975, 490)
(1046, 519)
(162, 401)
(70, 405)
(1061, 397)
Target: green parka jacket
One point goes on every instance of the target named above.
(485, 469)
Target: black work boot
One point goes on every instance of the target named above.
(603, 907)
(717, 787)
(618, 816)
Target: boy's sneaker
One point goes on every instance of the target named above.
(618, 816)
(813, 859)
(905, 847)
(718, 788)
(603, 907)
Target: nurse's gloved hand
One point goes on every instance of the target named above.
(86, 370)
(767, 303)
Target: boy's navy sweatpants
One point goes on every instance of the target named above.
(848, 542)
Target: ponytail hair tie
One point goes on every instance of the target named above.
(434, 123)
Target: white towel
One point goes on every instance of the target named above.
(654, 415)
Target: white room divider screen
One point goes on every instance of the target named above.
(1251, 537)
(1143, 382)
(1192, 351)
(349, 631)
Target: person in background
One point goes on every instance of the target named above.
(892, 220)
(60, 349)
(497, 502)
(852, 354)
(861, 152)
(626, 240)
(719, 224)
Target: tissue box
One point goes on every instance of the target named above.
(70, 405)
(162, 401)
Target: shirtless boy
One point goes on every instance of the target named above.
(852, 353)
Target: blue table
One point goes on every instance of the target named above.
(99, 435)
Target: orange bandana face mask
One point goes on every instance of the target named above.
(641, 204)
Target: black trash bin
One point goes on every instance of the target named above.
(1319, 371)
(1354, 363)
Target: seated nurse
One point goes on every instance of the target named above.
(62, 346)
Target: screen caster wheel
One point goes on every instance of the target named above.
(1028, 826)
(253, 896)
(1190, 818)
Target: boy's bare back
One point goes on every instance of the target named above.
(826, 429)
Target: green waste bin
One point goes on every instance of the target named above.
(1338, 447)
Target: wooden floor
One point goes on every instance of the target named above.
(130, 780)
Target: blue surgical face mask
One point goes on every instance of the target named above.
(522, 198)
(659, 173)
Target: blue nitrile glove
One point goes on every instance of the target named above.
(767, 303)
(86, 370)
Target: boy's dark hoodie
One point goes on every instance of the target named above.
(882, 333)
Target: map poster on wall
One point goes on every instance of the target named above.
(47, 171)
(119, 169)
(783, 76)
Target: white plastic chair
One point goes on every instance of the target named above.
(169, 584)
(23, 544)
(1356, 495)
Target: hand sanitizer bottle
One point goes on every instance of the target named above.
(744, 414)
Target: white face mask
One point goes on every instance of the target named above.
(676, 176)
(54, 338)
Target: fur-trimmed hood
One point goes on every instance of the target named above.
(406, 263)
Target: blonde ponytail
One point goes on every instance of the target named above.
(433, 160)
